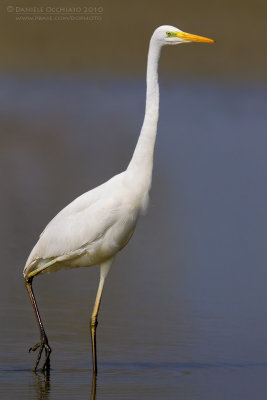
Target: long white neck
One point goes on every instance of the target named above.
(142, 159)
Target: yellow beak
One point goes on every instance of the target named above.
(193, 38)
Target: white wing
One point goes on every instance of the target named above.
(83, 221)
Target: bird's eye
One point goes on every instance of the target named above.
(168, 34)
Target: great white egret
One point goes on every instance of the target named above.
(99, 223)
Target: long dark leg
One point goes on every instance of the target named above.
(43, 338)
(104, 269)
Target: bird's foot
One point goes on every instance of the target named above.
(41, 346)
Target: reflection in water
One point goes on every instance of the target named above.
(42, 385)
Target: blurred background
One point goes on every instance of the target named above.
(184, 308)
(116, 41)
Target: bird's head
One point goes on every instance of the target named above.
(167, 34)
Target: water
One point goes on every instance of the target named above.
(184, 308)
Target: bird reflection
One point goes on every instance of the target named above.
(42, 384)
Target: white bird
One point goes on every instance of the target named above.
(99, 223)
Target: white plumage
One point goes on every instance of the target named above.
(99, 223)
(91, 229)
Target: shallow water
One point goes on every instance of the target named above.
(184, 307)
